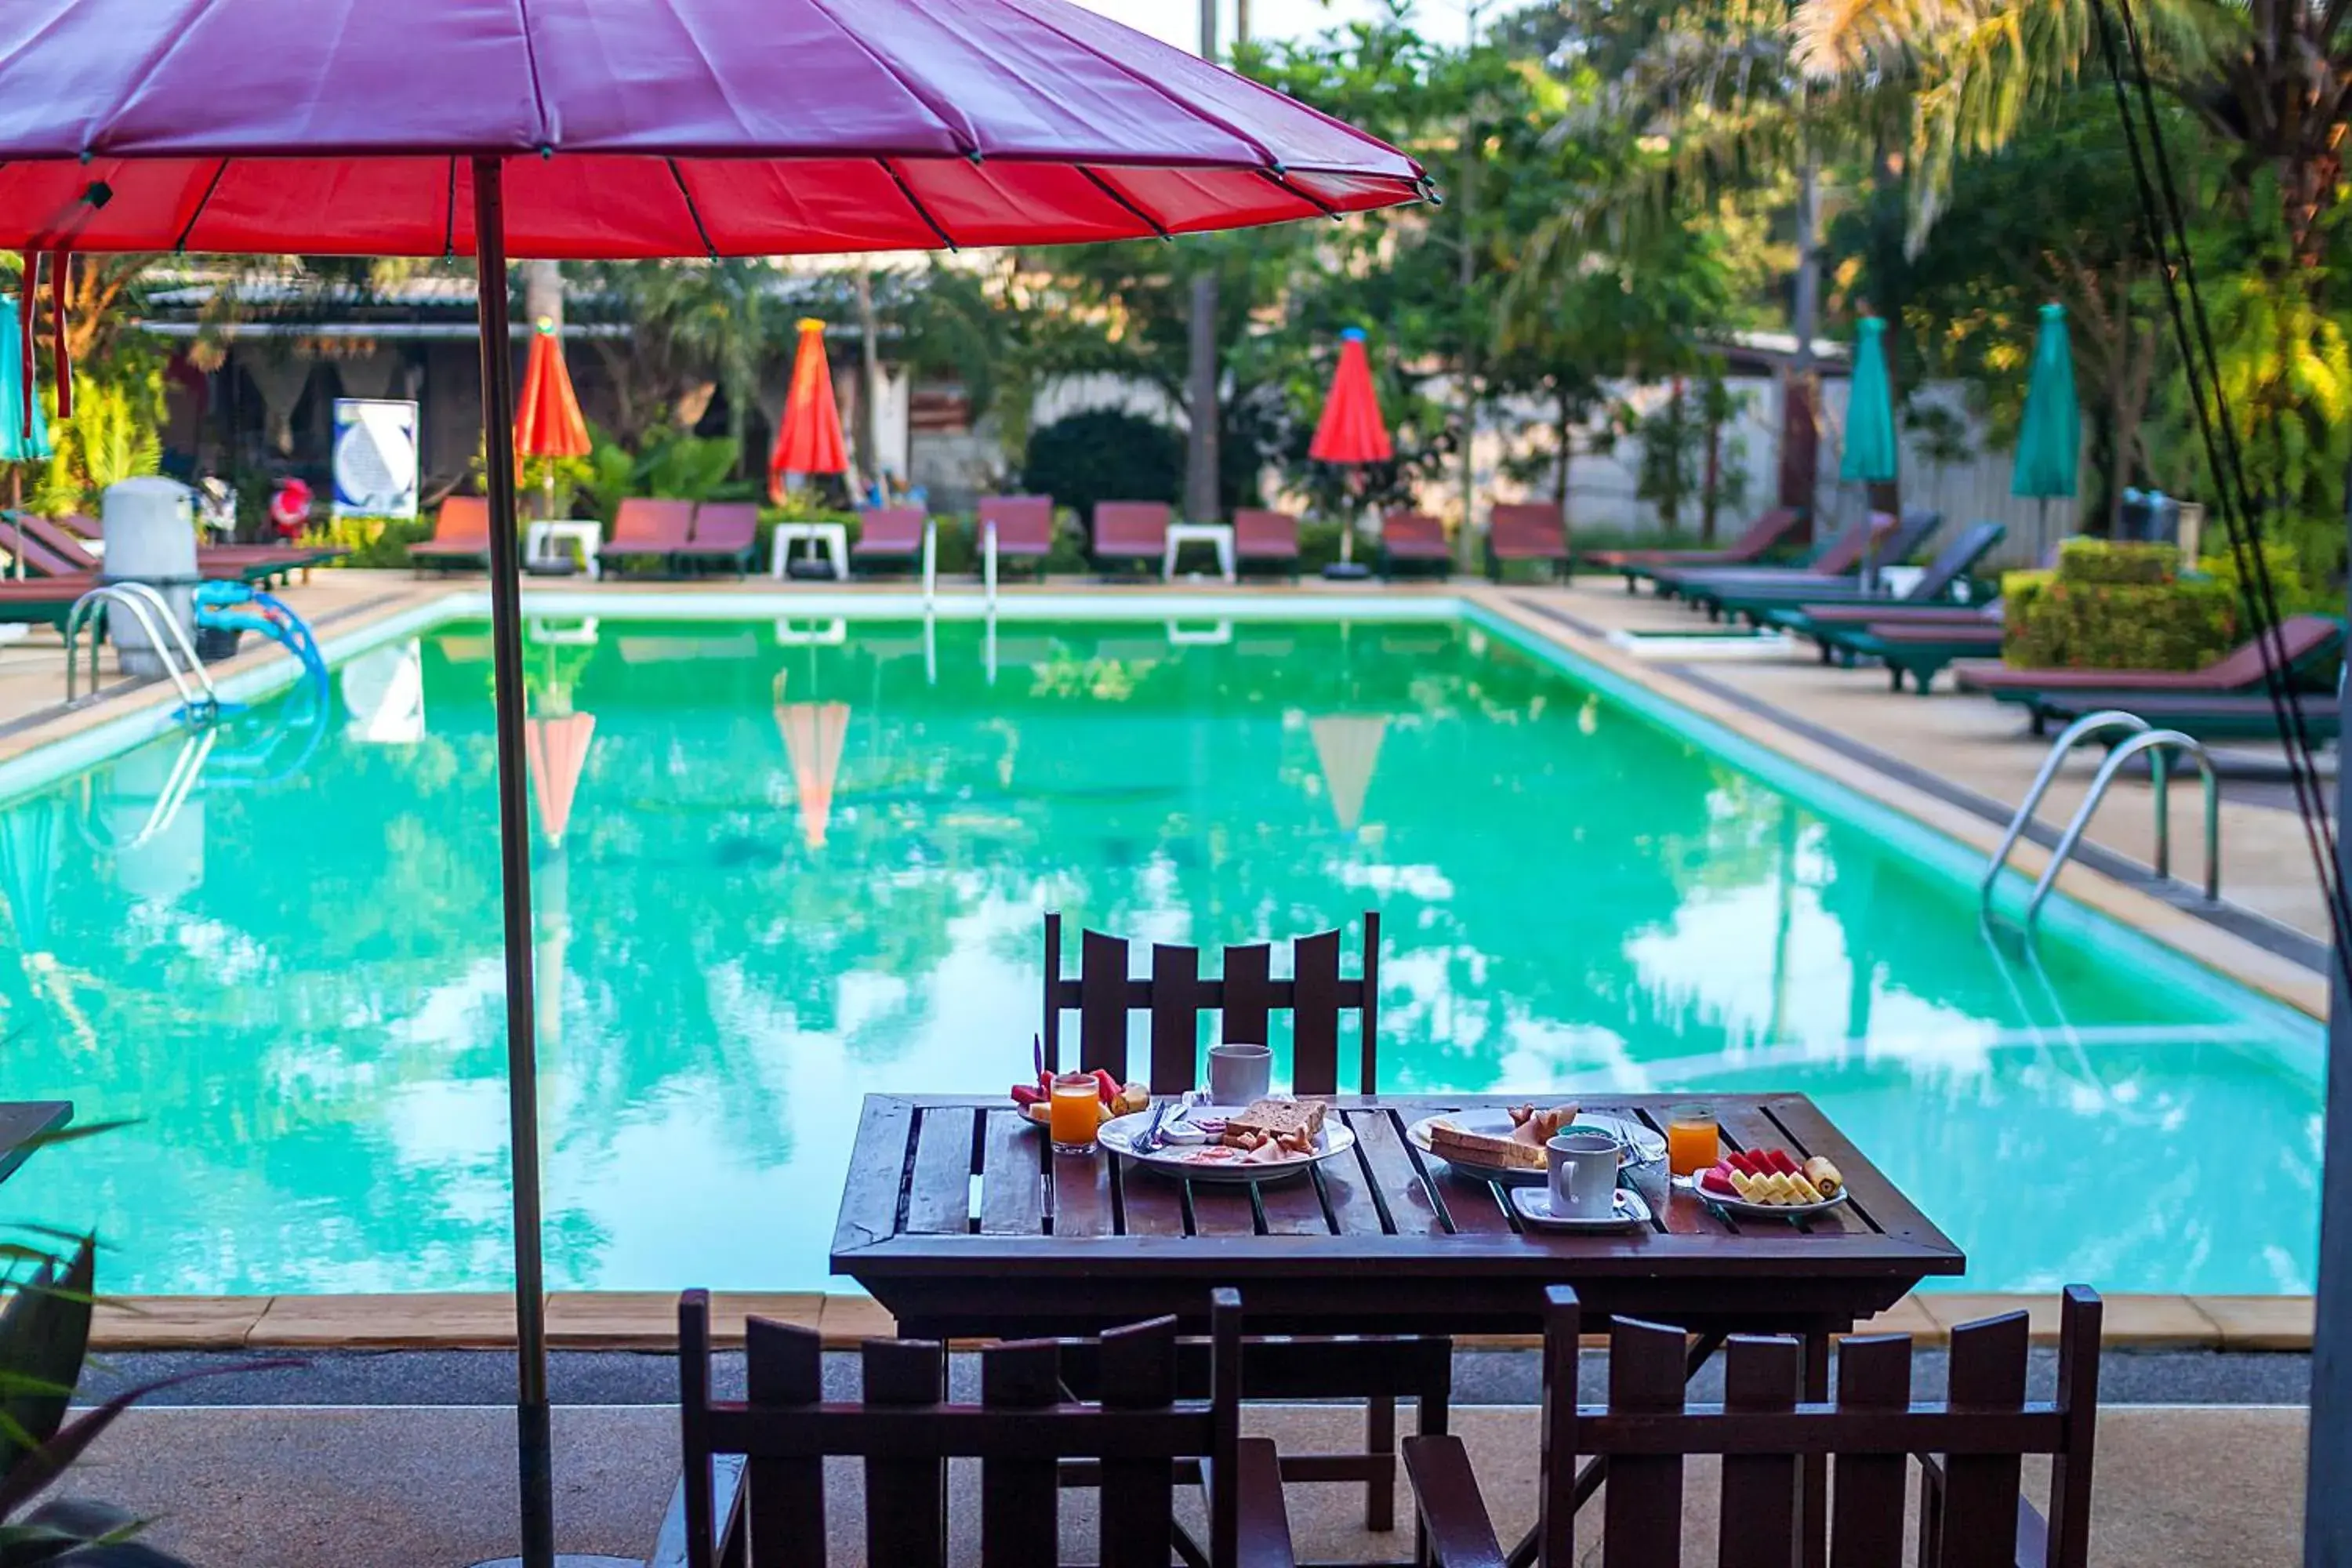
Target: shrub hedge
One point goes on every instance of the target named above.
(2116, 606)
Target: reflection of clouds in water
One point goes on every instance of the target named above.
(1538, 1054)
(1426, 884)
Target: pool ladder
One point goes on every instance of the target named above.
(155, 616)
(2144, 737)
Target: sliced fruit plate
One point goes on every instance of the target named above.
(1769, 1183)
(1636, 1144)
(1036, 1099)
(1205, 1162)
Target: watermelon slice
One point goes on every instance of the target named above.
(1779, 1163)
(1718, 1181)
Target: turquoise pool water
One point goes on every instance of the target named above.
(293, 981)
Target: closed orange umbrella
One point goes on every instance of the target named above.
(547, 422)
(810, 439)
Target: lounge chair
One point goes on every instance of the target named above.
(1126, 531)
(1834, 560)
(645, 529)
(1762, 537)
(1014, 528)
(1265, 538)
(1527, 530)
(1969, 1507)
(461, 537)
(2241, 672)
(1877, 542)
(897, 535)
(1786, 606)
(42, 601)
(55, 551)
(1921, 649)
(1413, 539)
(725, 533)
(2206, 718)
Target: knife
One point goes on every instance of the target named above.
(1149, 1142)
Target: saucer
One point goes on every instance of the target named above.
(1534, 1205)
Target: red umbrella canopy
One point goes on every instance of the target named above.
(653, 128)
(1352, 430)
(809, 441)
(547, 421)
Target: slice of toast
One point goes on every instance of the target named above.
(1277, 1118)
(1484, 1148)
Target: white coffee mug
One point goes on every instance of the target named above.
(1240, 1075)
(1583, 1171)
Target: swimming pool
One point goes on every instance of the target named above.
(801, 861)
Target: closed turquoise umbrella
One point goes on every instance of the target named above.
(1869, 457)
(19, 442)
(2049, 441)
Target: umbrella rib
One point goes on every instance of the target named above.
(1106, 188)
(692, 211)
(449, 219)
(202, 202)
(958, 126)
(1302, 193)
(916, 202)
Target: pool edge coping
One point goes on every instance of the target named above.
(646, 1320)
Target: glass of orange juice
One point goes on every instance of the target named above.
(1694, 1142)
(1076, 1112)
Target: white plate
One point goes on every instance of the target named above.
(1740, 1208)
(1636, 1144)
(1534, 1205)
(1187, 1162)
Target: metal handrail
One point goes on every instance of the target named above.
(2080, 729)
(2147, 740)
(153, 615)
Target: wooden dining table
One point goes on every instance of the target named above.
(23, 1123)
(960, 1220)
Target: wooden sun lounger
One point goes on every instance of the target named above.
(1839, 557)
(891, 533)
(1760, 539)
(2243, 669)
(645, 529)
(1267, 538)
(1128, 531)
(1527, 530)
(1014, 528)
(1413, 539)
(724, 531)
(2206, 718)
(1784, 606)
(461, 536)
(54, 552)
(1918, 649)
(1886, 543)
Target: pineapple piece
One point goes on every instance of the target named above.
(1744, 1185)
(1806, 1192)
(1776, 1191)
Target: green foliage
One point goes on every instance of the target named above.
(374, 542)
(111, 436)
(2053, 622)
(672, 463)
(2298, 590)
(1104, 454)
(2096, 561)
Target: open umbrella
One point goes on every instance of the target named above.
(2050, 438)
(809, 439)
(1352, 432)
(21, 440)
(681, 128)
(547, 421)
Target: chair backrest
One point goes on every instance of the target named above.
(646, 524)
(1970, 1445)
(1177, 994)
(1025, 524)
(68, 545)
(2304, 639)
(1902, 541)
(1528, 527)
(725, 524)
(891, 527)
(1975, 542)
(1412, 528)
(1131, 525)
(463, 521)
(82, 526)
(1765, 533)
(37, 556)
(1261, 534)
(1844, 553)
(906, 1429)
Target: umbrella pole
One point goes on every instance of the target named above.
(532, 1436)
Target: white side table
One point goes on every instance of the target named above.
(833, 536)
(1181, 534)
(539, 543)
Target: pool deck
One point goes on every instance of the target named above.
(1955, 763)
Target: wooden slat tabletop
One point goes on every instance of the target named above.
(960, 1220)
(22, 1122)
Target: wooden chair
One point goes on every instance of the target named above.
(726, 532)
(1527, 530)
(892, 534)
(1265, 538)
(461, 536)
(1380, 1372)
(1972, 1513)
(646, 528)
(1130, 531)
(1014, 528)
(1413, 539)
(768, 1509)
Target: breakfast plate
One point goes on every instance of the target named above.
(1636, 1144)
(1740, 1208)
(1210, 1161)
